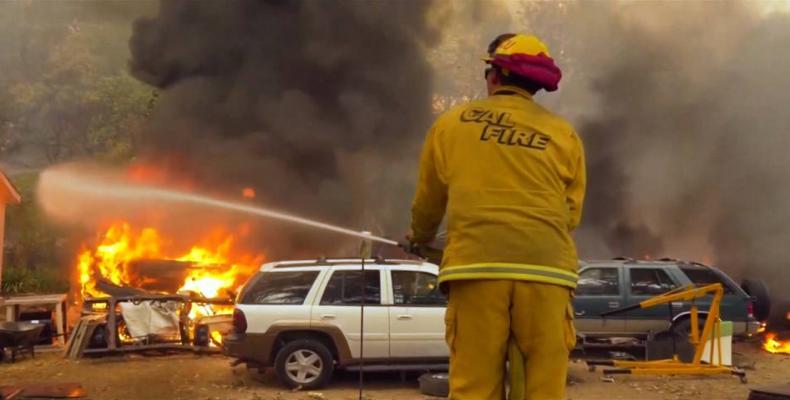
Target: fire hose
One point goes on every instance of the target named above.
(433, 254)
(422, 250)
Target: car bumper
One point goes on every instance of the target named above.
(249, 348)
(745, 328)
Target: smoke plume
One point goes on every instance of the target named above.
(682, 110)
(318, 106)
(322, 109)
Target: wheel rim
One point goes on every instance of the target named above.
(304, 366)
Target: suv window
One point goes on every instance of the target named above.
(280, 288)
(416, 288)
(599, 282)
(344, 288)
(650, 281)
(702, 276)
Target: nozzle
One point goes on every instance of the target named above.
(366, 247)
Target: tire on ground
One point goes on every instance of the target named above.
(670, 342)
(762, 301)
(435, 384)
(309, 345)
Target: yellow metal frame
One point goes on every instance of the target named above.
(711, 330)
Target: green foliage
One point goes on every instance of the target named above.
(26, 280)
(64, 91)
(64, 94)
(124, 106)
(31, 261)
(75, 111)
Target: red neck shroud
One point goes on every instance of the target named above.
(539, 68)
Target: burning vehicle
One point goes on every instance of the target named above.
(139, 293)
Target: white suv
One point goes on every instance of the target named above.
(303, 319)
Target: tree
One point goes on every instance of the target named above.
(71, 110)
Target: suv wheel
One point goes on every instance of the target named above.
(304, 363)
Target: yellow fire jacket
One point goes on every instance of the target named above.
(511, 177)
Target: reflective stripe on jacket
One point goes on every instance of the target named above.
(511, 177)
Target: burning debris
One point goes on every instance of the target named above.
(209, 270)
(146, 293)
(774, 344)
(776, 328)
(776, 337)
(147, 322)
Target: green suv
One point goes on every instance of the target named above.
(608, 285)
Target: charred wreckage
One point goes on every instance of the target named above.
(131, 319)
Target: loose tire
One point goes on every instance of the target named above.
(682, 328)
(437, 385)
(762, 301)
(304, 364)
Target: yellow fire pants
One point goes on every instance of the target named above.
(480, 319)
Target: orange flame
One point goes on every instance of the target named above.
(773, 345)
(215, 270)
(215, 267)
(110, 259)
(248, 193)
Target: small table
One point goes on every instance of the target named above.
(13, 304)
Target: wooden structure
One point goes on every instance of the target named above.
(103, 313)
(82, 333)
(12, 307)
(8, 195)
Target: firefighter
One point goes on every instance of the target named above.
(510, 176)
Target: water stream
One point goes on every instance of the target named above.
(111, 190)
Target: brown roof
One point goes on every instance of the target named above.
(8, 193)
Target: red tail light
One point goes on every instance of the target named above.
(239, 321)
(749, 309)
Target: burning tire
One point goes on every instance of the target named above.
(762, 302)
(304, 364)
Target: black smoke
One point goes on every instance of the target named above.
(319, 106)
(683, 111)
(322, 106)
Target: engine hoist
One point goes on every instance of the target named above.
(711, 332)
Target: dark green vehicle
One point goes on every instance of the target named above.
(608, 285)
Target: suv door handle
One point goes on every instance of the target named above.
(328, 316)
(614, 304)
(404, 317)
(580, 313)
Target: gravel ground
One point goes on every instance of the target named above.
(188, 376)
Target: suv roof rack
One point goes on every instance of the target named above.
(626, 259)
(328, 262)
(699, 264)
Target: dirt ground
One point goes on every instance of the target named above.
(193, 377)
